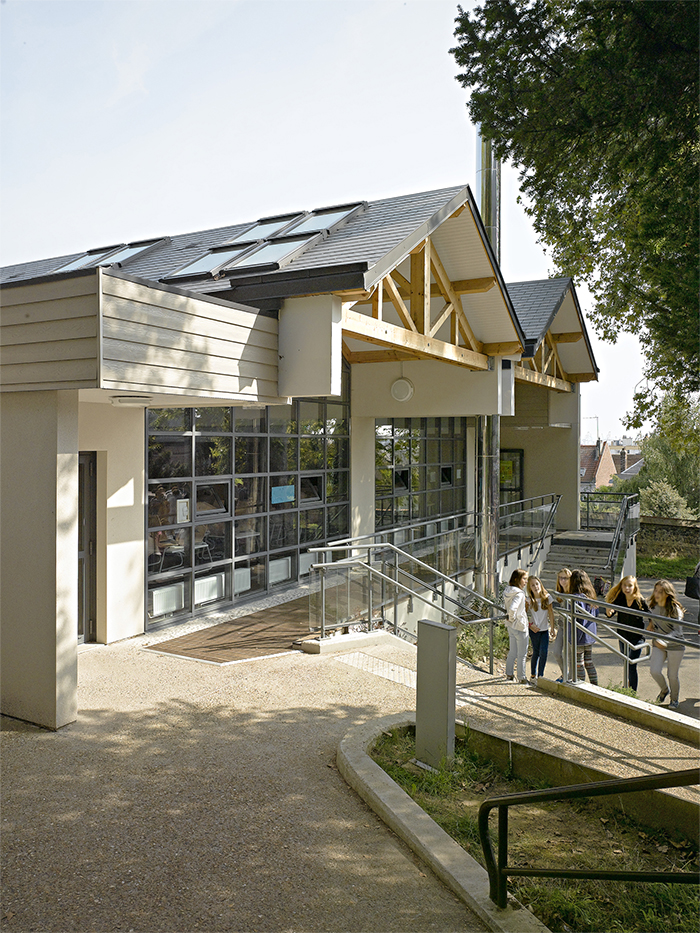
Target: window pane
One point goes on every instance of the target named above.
(169, 504)
(212, 456)
(336, 418)
(212, 497)
(310, 525)
(262, 230)
(336, 487)
(311, 418)
(283, 454)
(250, 420)
(212, 542)
(212, 586)
(384, 456)
(250, 494)
(271, 252)
(319, 222)
(383, 480)
(283, 493)
(433, 453)
(338, 453)
(282, 419)
(169, 598)
(282, 567)
(171, 550)
(249, 536)
(402, 451)
(250, 455)
(249, 576)
(169, 457)
(338, 523)
(212, 419)
(311, 489)
(208, 262)
(283, 530)
(168, 419)
(311, 453)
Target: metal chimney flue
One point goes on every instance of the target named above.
(488, 427)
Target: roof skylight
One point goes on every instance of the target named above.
(209, 262)
(322, 221)
(272, 252)
(104, 257)
(265, 228)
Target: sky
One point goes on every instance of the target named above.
(127, 119)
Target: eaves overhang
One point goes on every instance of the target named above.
(463, 199)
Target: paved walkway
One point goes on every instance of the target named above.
(191, 796)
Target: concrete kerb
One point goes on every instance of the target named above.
(448, 860)
(637, 711)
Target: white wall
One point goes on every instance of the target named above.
(362, 454)
(117, 435)
(39, 563)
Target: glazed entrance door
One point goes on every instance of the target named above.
(86, 547)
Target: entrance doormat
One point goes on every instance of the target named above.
(266, 632)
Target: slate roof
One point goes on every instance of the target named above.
(536, 304)
(360, 241)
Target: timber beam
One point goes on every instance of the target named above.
(542, 379)
(380, 333)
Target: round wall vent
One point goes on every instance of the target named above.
(401, 389)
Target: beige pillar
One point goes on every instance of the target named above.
(39, 556)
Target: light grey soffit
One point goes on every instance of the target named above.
(399, 252)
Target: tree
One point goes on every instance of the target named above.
(661, 500)
(596, 103)
(671, 455)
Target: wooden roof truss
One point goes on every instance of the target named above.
(411, 299)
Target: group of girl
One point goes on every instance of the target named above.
(530, 611)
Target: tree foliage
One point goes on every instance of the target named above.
(596, 103)
(671, 455)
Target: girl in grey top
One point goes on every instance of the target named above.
(664, 598)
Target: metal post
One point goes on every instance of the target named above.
(323, 601)
(370, 608)
(502, 899)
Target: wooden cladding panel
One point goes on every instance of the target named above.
(184, 345)
(49, 343)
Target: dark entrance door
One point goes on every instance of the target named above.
(87, 496)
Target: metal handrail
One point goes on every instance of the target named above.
(545, 530)
(498, 868)
(568, 651)
(358, 562)
(432, 588)
(625, 508)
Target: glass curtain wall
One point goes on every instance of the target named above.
(420, 469)
(236, 496)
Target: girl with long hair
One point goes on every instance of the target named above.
(516, 623)
(664, 597)
(541, 616)
(581, 588)
(625, 594)
(563, 580)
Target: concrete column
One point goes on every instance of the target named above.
(436, 683)
(362, 507)
(39, 563)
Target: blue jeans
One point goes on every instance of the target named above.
(540, 648)
(517, 652)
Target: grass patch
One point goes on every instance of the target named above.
(473, 642)
(576, 834)
(666, 568)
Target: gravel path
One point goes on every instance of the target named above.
(190, 796)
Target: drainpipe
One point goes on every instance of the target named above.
(488, 427)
